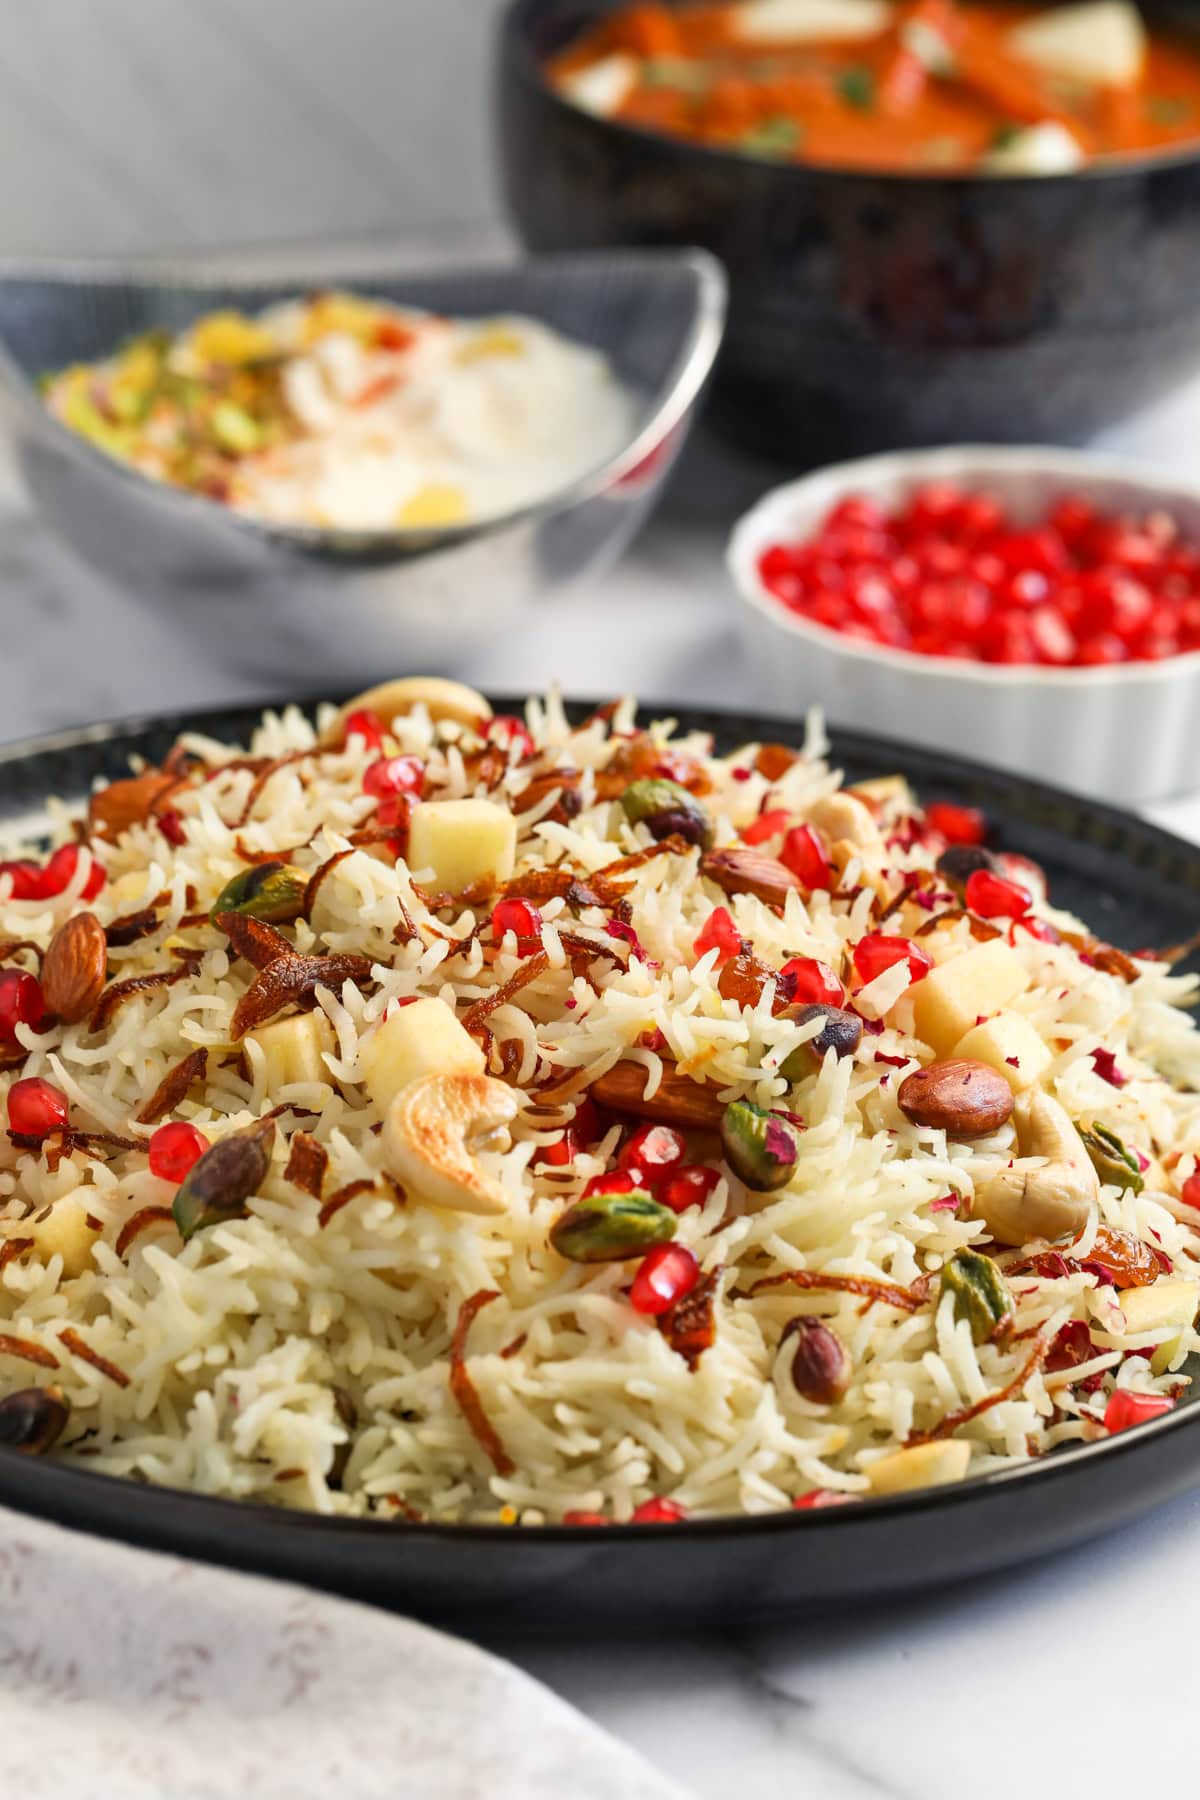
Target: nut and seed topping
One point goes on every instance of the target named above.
(964, 1099)
(740, 870)
(75, 967)
(821, 1366)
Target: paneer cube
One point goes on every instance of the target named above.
(462, 841)
(65, 1232)
(1045, 149)
(1102, 43)
(954, 996)
(293, 1049)
(602, 87)
(1009, 1043)
(921, 1465)
(809, 21)
(424, 1038)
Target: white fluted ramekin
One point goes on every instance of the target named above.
(1130, 733)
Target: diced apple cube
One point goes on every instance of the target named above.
(954, 996)
(424, 1038)
(293, 1049)
(462, 841)
(921, 1465)
(1009, 1043)
(65, 1232)
(1166, 1302)
(1103, 42)
(602, 87)
(809, 21)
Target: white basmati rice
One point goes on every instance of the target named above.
(303, 1358)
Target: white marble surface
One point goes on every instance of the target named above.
(1030, 1683)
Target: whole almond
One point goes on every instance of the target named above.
(677, 1100)
(965, 1099)
(739, 869)
(74, 968)
(113, 809)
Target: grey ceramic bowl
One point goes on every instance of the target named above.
(300, 603)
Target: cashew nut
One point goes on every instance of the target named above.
(842, 816)
(441, 699)
(1053, 1201)
(428, 1135)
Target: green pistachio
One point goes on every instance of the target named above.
(761, 1147)
(841, 1033)
(273, 891)
(1113, 1163)
(235, 430)
(981, 1294)
(667, 810)
(218, 1185)
(612, 1227)
(32, 1419)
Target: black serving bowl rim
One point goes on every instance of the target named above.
(670, 404)
(42, 1479)
(518, 51)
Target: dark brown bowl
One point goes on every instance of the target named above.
(872, 311)
(1132, 883)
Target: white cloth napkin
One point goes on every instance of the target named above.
(126, 1675)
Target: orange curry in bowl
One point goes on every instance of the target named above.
(919, 84)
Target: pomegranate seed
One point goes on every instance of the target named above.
(35, 1107)
(393, 814)
(877, 952)
(21, 1003)
(659, 1512)
(1036, 928)
(26, 878)
(857, 510)
(171, 824)
(957, 824)
(366, 726)
(820, 1497)
(994, 897)
(519, 917)
(60, 872)
(804, 854)
(174, 1148)
(1125, 1409)
(653, 1149)
(621, 1181)
(511, 734)
(665, 1275)
(803, 979)
(682, 1188)
(951, 575)
(394, 775)
(767, 825)
(718, 933)
(1190, 1191)
(576, 1517)
(587, 1126)
(557, 1154)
